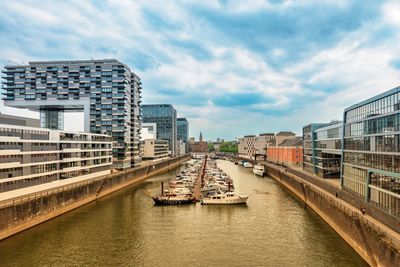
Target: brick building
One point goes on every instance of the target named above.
(289, 152)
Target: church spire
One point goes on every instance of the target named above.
(201, 137)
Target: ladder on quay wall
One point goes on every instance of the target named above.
(365, 242)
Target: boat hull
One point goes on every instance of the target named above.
(242, 200)
(164, 202)
(258, 172)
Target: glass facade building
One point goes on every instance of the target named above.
(371, 152)
(322, 144)
(164, 115)
(182, 126)
(107, 91)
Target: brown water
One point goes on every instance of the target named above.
(125, 229)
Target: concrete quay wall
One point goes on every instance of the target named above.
(19, 214)
(368, 240)
(373, 242)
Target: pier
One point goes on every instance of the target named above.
(200, 180)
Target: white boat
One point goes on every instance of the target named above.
(259, 170)
(229, 198)
(247, 165)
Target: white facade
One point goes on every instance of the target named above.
(31, 156)
(149, 131)
(181, 147)
(154, 149)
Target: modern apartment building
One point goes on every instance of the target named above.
(322, 148)
(371, 152)
(31, 156)
(182, 126)
(246, 146)
(164, 115)
(20, 121)
(106, 91)
(154, 149)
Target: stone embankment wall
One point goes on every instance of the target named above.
(373, 243)
(19, 214)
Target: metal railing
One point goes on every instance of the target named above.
(64, 188)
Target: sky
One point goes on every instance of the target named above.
(232, 68)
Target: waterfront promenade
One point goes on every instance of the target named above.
(23, 208)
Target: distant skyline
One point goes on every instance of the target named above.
(232, 68)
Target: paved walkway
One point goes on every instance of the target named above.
(331, 181)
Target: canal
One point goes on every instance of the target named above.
(125, 229)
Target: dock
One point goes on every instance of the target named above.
(200, 180)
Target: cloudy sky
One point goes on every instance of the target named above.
(231, 67)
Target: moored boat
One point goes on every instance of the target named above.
(229, 198)
(259, 170)
(247, 164)
(174, 199)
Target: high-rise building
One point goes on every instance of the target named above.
(371, 152)
(322, 148)
(164, 115)
(31, 156)
(106, 91)
(182, 126)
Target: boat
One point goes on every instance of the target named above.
(174, 199)
(259, 170)
(247, 164)
(229, 198)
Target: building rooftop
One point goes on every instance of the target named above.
(369, 100)
(267, 134)
(292, 142)
(283, 133)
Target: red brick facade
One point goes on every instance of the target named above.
(201, 147)
(291, 156)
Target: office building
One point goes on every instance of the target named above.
(154, 149)
(19, 121)
(31, 156)
(322, 148)
(182, 126)
(164, 115)
(181, 147)
(106, 91)
(371, 152)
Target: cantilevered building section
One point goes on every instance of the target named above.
(371, 155)
(31, 156)
(106, 91)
